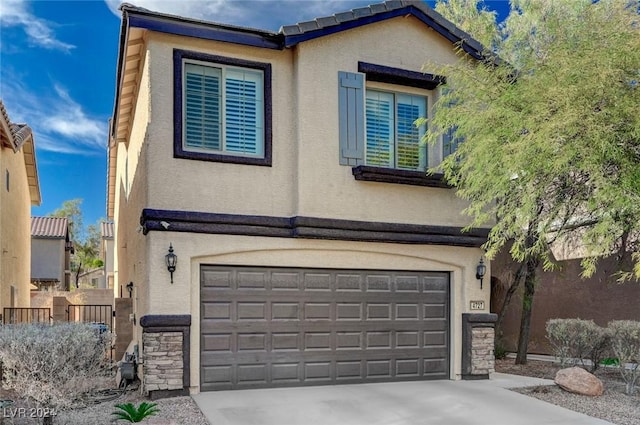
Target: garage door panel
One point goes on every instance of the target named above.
(263, 327)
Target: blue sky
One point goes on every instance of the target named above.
(57, 74)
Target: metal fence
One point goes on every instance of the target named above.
(92, 313)
(13, 315)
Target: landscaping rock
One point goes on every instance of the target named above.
(578, 381)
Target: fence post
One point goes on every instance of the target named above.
(60, 306)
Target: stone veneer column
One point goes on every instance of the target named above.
(165, 355)
(478, 338)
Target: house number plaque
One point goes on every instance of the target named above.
(477, 305)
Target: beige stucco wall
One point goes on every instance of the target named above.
(327, 189)
(305, 178)
(15, 230)
(220, 187)
(131, 195)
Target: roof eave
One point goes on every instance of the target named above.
(29, 149)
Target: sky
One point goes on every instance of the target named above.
(58, 69)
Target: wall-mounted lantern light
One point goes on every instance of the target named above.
(171, 259)
(130, 289)
(481, 269)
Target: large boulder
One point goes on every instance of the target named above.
(579, 381)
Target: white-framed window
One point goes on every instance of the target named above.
(392, 139)
(223, 109)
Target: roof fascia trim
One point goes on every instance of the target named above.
(192, 29)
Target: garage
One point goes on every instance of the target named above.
(275, 327)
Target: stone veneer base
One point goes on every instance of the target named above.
(478, 337)
(166, 351)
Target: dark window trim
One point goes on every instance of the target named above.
(406, 78)
(309, 228)
(401, 77)
(392, 175)
(178, 151)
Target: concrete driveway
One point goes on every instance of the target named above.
(398, 403)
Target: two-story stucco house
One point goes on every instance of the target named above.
(20, 190)
(285, 173)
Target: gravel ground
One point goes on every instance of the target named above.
(173, 411)
(613, 406)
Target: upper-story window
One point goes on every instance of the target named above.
(392, 139)
(377, 109)
(222, 109)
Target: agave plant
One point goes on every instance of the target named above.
(130, 413)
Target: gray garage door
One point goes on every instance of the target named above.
(273, 327)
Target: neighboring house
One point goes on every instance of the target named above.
(92, 279)
(19, 190)
(286, 174)
(51, 251)
(107, 253)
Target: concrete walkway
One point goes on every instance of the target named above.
(399, 403)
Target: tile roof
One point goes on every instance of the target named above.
(6, 132)
(363, 15)
(107, 230)
(49, 227)
(342, 17)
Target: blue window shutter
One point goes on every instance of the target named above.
(351, 117)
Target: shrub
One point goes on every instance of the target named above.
(576, 340)
(499, 350)
(625, 343)
(130, 413)
(54, 364)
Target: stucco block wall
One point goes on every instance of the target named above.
(15, 230)
(563, 294)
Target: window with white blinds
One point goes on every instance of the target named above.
(392, 139)
(223, 110)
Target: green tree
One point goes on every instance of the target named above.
(551, 129)
(72, 210)
(86, 241)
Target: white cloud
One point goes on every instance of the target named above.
(59, 123)
(262, 14)
(39, 31)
